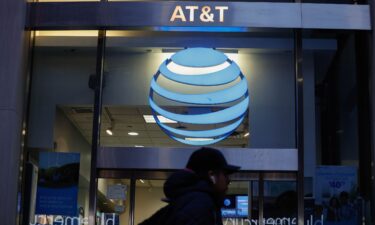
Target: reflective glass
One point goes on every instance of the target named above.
(59, 126)
(337, 186)
(198, 113)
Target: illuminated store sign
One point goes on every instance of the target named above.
(210, 89)
(205, 14)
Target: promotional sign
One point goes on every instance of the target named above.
(332, 180)
(336, 194)
(235, 206)
(57, 184)
(117, 191)
(218, 98)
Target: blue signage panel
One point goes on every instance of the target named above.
(235, 206)
(208, 16)
(57, 184)
(242, 205)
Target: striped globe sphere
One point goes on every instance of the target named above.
(222, 98)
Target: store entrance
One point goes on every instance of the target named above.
(133, 147)
(130, 185)
(129, 197)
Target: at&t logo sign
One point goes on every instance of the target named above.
(211, 89)
(205, 14)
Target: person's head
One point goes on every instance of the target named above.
(210, 164)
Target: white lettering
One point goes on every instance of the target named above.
(192, 12)
(319, 221)
(206, 16)
(59, 219)
(206, 13)
(248, 221)
(71, 220)
(178, 13)
(113, 220)
(35, 220)
(221, 12)
(85, 221)
(270, 221)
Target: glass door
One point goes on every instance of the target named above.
(130, 197)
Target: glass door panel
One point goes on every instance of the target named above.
(128, 198)
(148, 198)
(280, 199)
(113, 202)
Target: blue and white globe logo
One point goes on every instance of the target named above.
(210, 88)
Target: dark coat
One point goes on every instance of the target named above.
(191, 202)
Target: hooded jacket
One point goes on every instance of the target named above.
(191, 202)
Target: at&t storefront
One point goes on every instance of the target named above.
(122, 92)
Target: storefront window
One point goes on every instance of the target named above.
(59, 122)
(133, 58)
(336, 155)
(280, 201)
(336, 138)
(113, 201)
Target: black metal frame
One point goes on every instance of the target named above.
(299, 125)
(261, 199)
(371, 93)
(132, 200)
(362, 55)
(96, 125)
(23, 214)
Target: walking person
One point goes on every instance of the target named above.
(195, 194)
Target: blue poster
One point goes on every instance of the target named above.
(57, 184)
(336, 194)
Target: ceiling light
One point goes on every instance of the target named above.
(199, 139)
(139, 146)
(133, 134)
(109, 131)
(162, 119)
(246, 134)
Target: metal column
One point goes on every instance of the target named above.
(261, 199)
(372, 112)
(299, 126)
(132, 199)
(95, 143)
